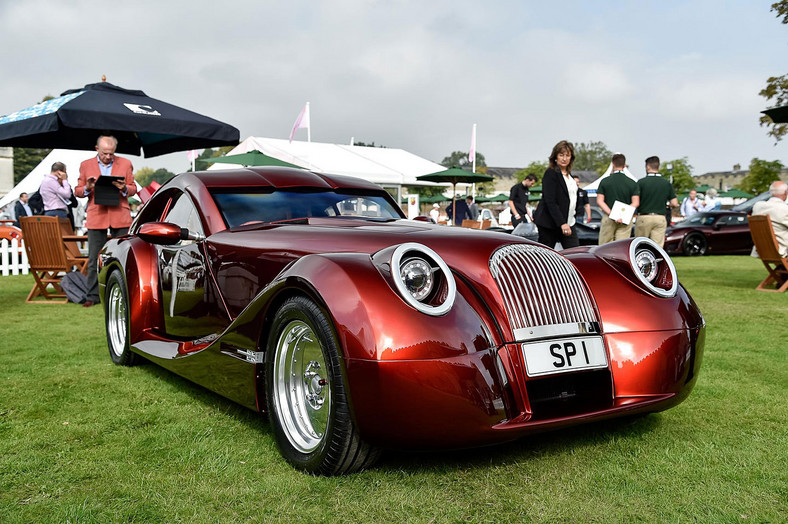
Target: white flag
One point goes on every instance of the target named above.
(302, 122)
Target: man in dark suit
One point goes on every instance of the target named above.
(21, 209)
(461, 208)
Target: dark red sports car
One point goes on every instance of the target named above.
(710, 233)
(312, 298)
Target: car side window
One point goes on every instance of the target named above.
(732, 220)
(184, 214)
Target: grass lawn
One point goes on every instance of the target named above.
(82, 440)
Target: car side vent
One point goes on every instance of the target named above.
(541, 288)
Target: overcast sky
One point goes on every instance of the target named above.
(671, 78)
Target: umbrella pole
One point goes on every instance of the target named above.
(454, 204)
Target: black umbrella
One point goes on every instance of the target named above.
(779, 115)
(76, 118)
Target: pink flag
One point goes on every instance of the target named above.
(472, 152)
(192, 155)
(302, 122)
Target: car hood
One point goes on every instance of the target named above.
(458, 246)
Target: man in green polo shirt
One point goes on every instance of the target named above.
(616, 187)
(655, 193)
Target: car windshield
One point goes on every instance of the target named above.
(746, 206)
(240, 208)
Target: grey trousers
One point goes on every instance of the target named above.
(96, 240)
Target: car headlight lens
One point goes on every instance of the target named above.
(653, 267)
(646, 263)
(423, 278)
(416, 274)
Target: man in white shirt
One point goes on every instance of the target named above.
(691, 205)
(777, 208)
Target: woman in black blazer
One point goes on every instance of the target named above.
(555, 214)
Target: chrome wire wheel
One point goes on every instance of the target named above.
(116, 320)
(302, 386)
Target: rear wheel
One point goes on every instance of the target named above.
(694, 245)
(116, 316)
(306, 397)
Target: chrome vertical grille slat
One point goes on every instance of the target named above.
(540, 288)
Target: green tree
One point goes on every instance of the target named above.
(209, 153)
(25, 160)
(536, 167)
(776, 90)
(592, 156)
(360, 143)
(146, 175)
(680, 171)
(143, 176)
(762, 174)
(460, 159)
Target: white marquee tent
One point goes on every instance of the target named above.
(387, 167)
(591, 188)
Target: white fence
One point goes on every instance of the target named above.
(13, 258)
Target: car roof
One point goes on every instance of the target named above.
(275, 177)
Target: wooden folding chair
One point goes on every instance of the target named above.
(70, 241)
(766, 244)
(48, 256)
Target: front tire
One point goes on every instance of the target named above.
(116, 316)
(695, 245)
(306, 397)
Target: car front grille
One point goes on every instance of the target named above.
(540, 288)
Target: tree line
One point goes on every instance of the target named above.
(595, 156)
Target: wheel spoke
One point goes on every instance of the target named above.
(116, 320)
(302, 387)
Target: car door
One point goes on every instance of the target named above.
(189, 302)
(730, 234)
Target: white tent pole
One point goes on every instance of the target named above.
(473, 148)
(473, 158)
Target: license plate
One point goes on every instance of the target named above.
(563, 355)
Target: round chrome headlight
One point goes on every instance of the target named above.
(653, 267)
(423, 279)
(416, 274)
(646, 263)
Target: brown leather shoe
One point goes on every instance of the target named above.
(87, 303)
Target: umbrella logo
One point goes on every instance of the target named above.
(142, 110)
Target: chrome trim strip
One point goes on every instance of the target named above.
(556, 330)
